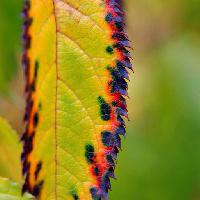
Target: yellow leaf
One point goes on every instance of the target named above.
(10, 148)
(75, 63)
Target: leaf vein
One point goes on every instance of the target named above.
(67, 4)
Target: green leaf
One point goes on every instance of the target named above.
(9, 42)
(75, 64)
(10, 149)
(12, 191)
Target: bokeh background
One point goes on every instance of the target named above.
(161, 153)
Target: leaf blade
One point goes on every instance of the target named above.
(12, 191)
(10, 149)
(74, 100)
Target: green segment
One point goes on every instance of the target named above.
(110, 50)
(74, 194)
(105, 109)
(89, 153)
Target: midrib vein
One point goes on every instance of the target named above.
(56, 93)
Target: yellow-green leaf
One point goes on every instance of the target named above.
(10, 149)
(76, 63)
(12, 191)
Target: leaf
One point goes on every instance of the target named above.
(10, 149)
(75, 62)
(11, 191)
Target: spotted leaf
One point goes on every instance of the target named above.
(76, 62)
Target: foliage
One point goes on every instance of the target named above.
(76, 63)
(10, 149)
(12, 191)
(10, 164)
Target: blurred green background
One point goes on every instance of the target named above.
(161, 154)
